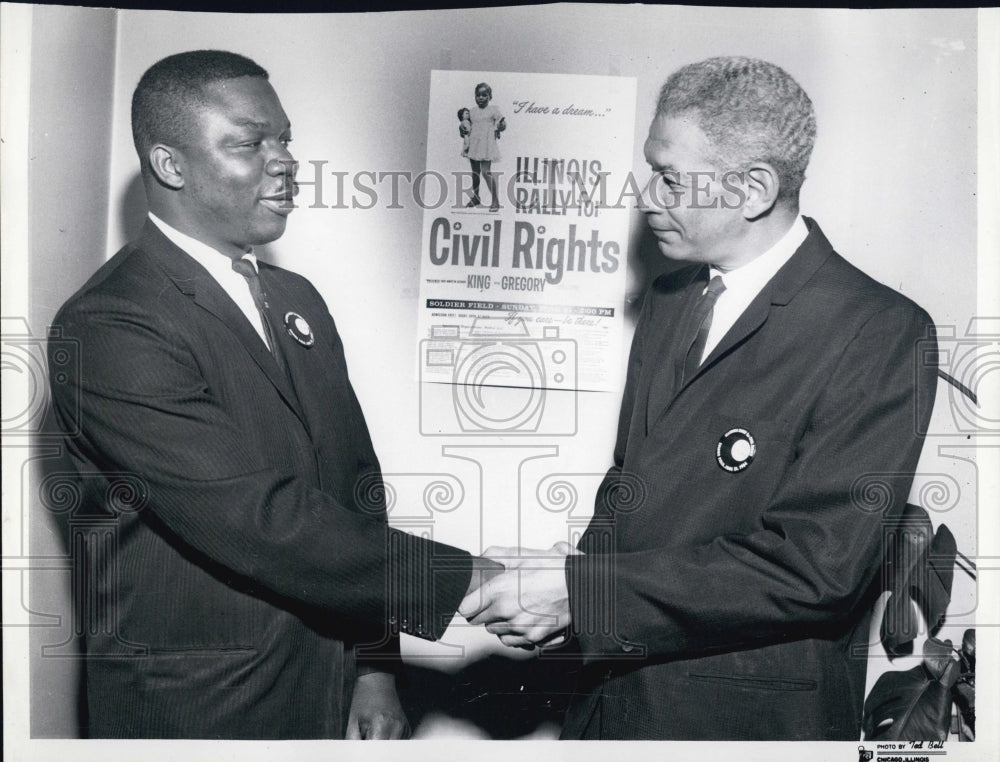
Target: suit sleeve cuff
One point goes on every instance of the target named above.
(598, 623)
(428, 581)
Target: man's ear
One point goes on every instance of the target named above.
(166, 166)
(762, 186)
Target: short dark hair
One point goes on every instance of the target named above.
(751, 110)
(170, 92)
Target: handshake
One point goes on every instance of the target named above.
(520, 595)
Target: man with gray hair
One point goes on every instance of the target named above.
(723, 588)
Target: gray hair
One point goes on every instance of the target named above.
(751, 110)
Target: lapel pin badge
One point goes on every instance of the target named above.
(299, 329)
(736, 450)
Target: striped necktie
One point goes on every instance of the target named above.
(245, 268)
(701, 322)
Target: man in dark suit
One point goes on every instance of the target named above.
(768, 432)
(250, 586)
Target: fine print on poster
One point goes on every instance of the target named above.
(523, 265)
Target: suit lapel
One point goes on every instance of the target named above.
(666, 349)
(193, 280)
(753, 317)
(778, 292)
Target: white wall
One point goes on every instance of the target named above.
(72, 73)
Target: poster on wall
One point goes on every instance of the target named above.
(526, 199)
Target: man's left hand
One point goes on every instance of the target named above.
(376, 713)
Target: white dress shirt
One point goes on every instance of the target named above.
(220, 267)
(744, 283)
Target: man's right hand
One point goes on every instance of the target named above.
(483, 570)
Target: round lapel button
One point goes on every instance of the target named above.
(735, 450)
(299, 329)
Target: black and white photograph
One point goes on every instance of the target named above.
(542, 373)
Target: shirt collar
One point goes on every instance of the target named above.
(755, 273)
(213, 260)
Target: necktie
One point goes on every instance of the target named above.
(701, 321)
(245, 268)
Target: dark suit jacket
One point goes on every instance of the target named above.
(243, 550)
(716, 604)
